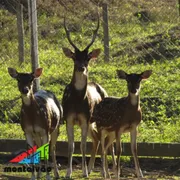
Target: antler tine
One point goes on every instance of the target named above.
(68, 35)
(94, 35)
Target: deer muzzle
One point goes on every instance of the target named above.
(81, 69)
(25, 90)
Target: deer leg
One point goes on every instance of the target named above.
(95, 144)
(54, 137)
(45, 139)
(103, 155)
(109, 144)
(111, 148)
(84, 130)
(38, 141)
(70, 135)
(118, 151)
(30, 142)
(134, 152)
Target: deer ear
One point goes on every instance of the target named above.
(68, 53)
(94, 53)
(37, 72)
(12, 72)
(121, 74)
(146, 74)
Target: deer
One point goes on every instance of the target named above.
(116, 116)
(79, 99)
(40, 115)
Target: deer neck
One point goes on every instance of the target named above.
(27, 99)
(134, 99)
(79, 80)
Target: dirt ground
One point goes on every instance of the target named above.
(152, 168)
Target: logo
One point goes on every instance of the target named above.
(32, 157)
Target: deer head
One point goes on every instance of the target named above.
(134, 80)
(81, 58)
(25, 80)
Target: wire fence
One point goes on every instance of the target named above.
(134, 35)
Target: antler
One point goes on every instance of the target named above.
(68, 35)
(94, 35)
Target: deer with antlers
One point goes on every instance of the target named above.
(79, 100)
(114, 116)
(40, 115)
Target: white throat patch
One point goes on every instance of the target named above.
(26, 99)
(80, 80)
(134, 98)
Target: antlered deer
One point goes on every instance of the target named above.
(120, 115)
(40, 115)
(79, 100)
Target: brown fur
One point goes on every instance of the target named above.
(79, 100)
(40, 115)
(119, 111)
(114, 116)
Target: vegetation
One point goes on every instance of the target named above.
(142, 36)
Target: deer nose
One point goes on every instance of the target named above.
(81, 69)
(133, 90)
(25, 90)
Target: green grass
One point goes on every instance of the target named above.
(134, 46)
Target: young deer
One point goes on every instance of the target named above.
(79, 100)
(117, 116)
(40, 115)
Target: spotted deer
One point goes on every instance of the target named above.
(40, 115)
(79, 99)
(119, 115)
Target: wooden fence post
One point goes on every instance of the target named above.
(20, 27)
(106, 32)
(34, 40)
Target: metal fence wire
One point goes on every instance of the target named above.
(140, 35)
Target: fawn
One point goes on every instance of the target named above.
(40, 115)
(114, 116)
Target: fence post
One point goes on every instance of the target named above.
(34, 40)
(20, 27)
(106, 31)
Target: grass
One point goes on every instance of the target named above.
(135, 46)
